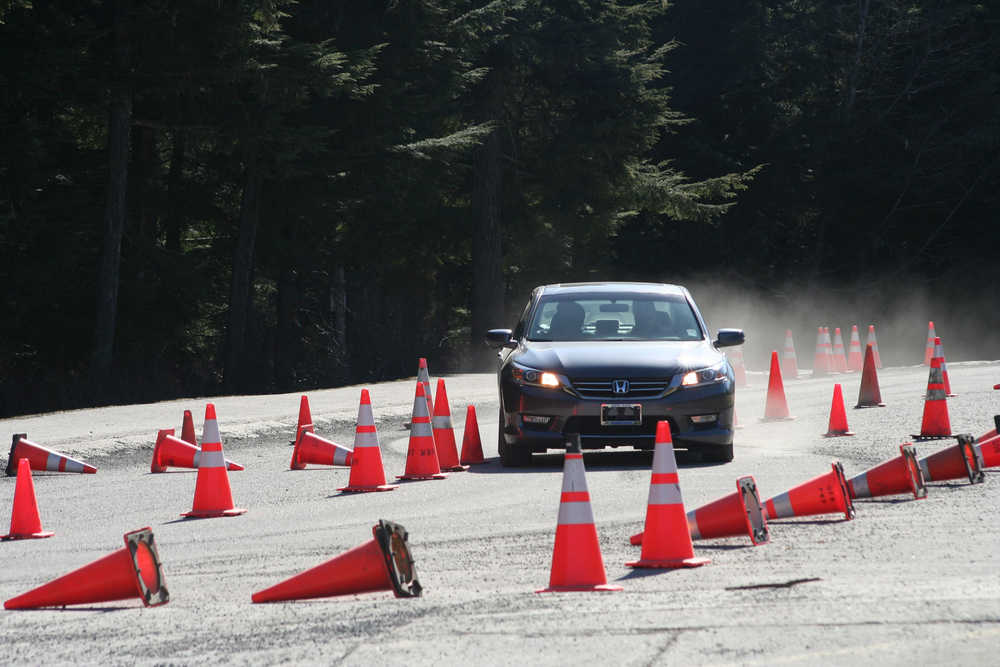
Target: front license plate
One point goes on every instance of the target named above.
(621, 415)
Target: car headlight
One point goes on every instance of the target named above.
(704, 376)
(523, 375)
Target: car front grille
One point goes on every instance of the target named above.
(604, 388)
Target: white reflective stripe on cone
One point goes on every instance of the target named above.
(692, 518)
(925, 469)
(197, 458)
(665, 463)
(575, 513)
(421, 430)
(365, 417)
(211, 432)
(212, 459)
(365, 439)
(665, 494)
(860, 486)
(782, 506)
(441, 421)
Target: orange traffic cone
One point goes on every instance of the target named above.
(367, 473)
(929, 350)
(311, 448)
(988, 452)
(666, 538)
(133, 571)
(444, 433)
(738, 513)
(41, 458)
(939, 352)
(953, 462)
(381, 564)
(577, 564)
(424, 378)
(212, 495)
(992, 432)
(870, 395)
(421, 457)
(839, 357)
(871, 340)
(789, 362)
(173, 452)
(897, 475)
(838, 415)
(936, 424)
(472, 445)
(776, 407)
(825, 494)
(820, 360)
(854, 358)
(25, 523)
(187, 429)
(739, 367)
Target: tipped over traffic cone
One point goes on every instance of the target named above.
(25, 524)
(854, 358)
(577, 564)
(42, 458)
(739, 366)
(421, 456)
(736, 514)
(988, 452)
(173, 452)
(939, 352)
(953, 462)
(666, 537)
(212, 495)
(133, 571)
(444, 433)
(789, 362)
(776, 407)
(367, 473)
(838, 415)
(839, 356)
(871, 340)
(929, 349)
(870, 395)
(897, 475)
(825, 494)
(935, 424)
(472, 445)
(383, 563)
(311, 448)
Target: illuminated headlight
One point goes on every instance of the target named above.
(703, 376)
(529, 376)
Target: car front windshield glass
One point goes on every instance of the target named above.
(581, 317)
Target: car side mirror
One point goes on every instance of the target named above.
(729, 337)
(499, 338)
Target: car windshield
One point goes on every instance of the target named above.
(581, 317)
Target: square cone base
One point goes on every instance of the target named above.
(439, 475)
(210, 514)
(26, 536)
(458, 468)
(671, 564)
(869, 405)
(599, 588)
(928, 438)
(367, 489)
(837, 434)
(776, 419)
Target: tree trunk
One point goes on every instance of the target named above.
(239, 296)
(173, 241)
(115, 211)
(487, 246)
(338, 309)
(286, 338)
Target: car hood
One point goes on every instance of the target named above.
(613, 359)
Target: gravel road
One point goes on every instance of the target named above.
(905, 582)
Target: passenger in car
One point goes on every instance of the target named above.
(567, 323)
(650, 322)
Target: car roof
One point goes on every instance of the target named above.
(613, 288)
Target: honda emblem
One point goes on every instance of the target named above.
(620, 386)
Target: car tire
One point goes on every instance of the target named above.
(510, 456)
(717, 453)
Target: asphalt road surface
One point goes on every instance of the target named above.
(906, 582)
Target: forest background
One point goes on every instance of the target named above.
(270, 196)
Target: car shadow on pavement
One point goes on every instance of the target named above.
(593, 460)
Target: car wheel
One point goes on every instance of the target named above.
(510, 456)
(717, 453)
